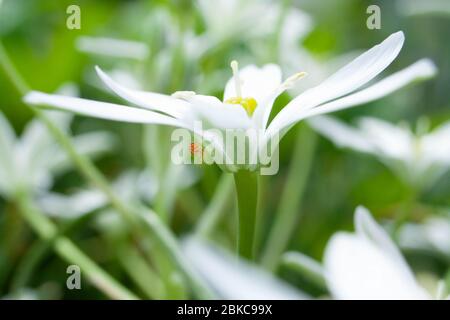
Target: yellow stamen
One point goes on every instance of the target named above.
(289, 82)
(249, 104)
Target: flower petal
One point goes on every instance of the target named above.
(354, 75)
(36, 149)
(366, 227)
(257, 83)
(90, 144)
(262, 113)
(349, 78)
(306, 266)
(421, 69)
(436, 145)
(113, 47)
(36, 138)
(340, 133)
(71, 206)
(149, 100)
(102, 110)
(216, 113)
(357, 269)
(391, 141)
(233, 279)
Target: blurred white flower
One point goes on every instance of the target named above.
(71, 206)
(22, 294)
(236, 279)
(418, 158)
(132, 186)
(432, 235)
(249, 97)
(225, 19)
(368, 265)
(420, 7)
(31, 161)
(118, 48)
(293, 56)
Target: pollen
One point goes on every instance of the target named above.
(249, 104)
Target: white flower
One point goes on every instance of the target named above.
(132, 186)
(249, 96)
(292, 55)
(235, 279)
(225, 19)
(418, 7)
(367, 265)
(118, 48)
(31, 162)
(432, 235)
(419, 158)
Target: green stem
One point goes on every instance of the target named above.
(287, 214)
(166, 240)
(305, 266)
(247, 195)
(92, 174)
(405, 209)
(11, 71)
(261, 213)
(34, 255)
(174, 283)
(70, 252)
(139, 271)
(191, 203)
(275, 48)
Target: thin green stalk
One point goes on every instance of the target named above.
(405, 210)
(142, 275)
(33, 257)
(11, 71)
(261, 213)
(305, 266)
(166, 240)
(70, 252)
(174, 282)
(191, 203)
(166, 196)
(247, 197)
(28, 264)
(216, 207)
(91, 173)
(275, 47)
(287, 214)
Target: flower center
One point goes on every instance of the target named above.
(249, 103)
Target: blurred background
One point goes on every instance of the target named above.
(165, 46)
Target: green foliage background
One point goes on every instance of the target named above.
(42, 48)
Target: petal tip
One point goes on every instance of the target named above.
(399, 34)
(362, 215)
(430, 68)
(397, 37)
(99, 71)
(32, 97)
